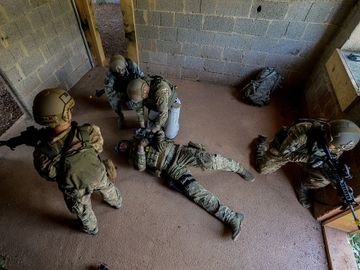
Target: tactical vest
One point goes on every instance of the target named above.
(81, 166)
(157, 160)
(156, 83)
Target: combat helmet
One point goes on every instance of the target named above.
(135, 90)
(118, 64)
(345, 134)
(51, 107)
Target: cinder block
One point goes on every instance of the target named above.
(144, 57)
(28, 84)
(252, 58)
(144, 31)
(232, 55)
(189, 74)
(14, 75)
(59, 25)
(12, 32)
(23, 24)
(269, 10)
(243, 42)
(45, 71)
(298, 10)
(295, 30)
(142, 4)
(263, 44)
(238, 8)
(175, 60)
(314, 32)
(205, 76)
(287, 62)
(188, 21)
(29, 44)
(29, 64)
(49, 30)
(45, 52)
(166, 5)
(146, 44)
(277, 29)
(77, 59)
(211, 52)
(158, 57)
(222, 39)
(35, 19)
(193, 36)
(194, 63)
(50, 82)
(167, 19)
(153, 18)
(168, 46)
(58, 60)
(229, 80)
(46, 13)
(56, 8)
(192, 6)
(4, 18)
(220, 24)
(190, 49)
(319, 12)
(140, 17)
(17, 51)
(251, 27)
(214, 66)
(53, 45)
(208, 7)
(166, 33)
(36, 3)
(232, 68)
(289, 47)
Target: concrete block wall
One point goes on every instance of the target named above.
(225, 41)
(43, 47)
(319, 94)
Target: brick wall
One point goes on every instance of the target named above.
(224, 41)
(45, 48)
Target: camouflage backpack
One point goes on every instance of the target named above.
(258, 91)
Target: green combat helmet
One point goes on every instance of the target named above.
(135, 90)
(118, 64)
(51, 107)
(345, 134)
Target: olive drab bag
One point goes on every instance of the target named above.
(258, 91)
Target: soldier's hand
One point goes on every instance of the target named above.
(155, 129)
(142, 124)
(144, 142)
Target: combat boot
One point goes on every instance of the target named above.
(245, 174)
(303, 196)
(231, 218)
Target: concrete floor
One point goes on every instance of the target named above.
(158, 228)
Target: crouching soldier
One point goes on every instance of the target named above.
(301, 143)
(69, 156)
(160, 97)
(121, 71)
(165, 158)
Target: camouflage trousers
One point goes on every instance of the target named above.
(79, 202)
(178, 171)
(312, 178)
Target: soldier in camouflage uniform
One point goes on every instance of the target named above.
(165, 158)
(160, 97)
(69, 156)
(122, 70)
(298, 143)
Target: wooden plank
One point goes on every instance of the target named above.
(344, 85)
(86, 13)
(344, 221)
(127, 8)
(338, 249)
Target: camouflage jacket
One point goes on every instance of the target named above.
(296, 144)
(115, 85)
(82, 165)
(161, 98)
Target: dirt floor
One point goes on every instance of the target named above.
(109, 21)
(158, 228)
(9, 109)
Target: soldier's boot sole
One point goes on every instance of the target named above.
(236, 226)
(303, 196)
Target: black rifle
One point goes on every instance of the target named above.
(99, 92)
(31, 137)
(143, 133)
(341, 173)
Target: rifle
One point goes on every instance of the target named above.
(341, 173)
(31, 137)
(144, 133)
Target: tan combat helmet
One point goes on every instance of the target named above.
(51, 107)
(118, 64)
(135, 90)
(345, 134)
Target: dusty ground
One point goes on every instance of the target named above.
(9, 109)
(109, 21)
